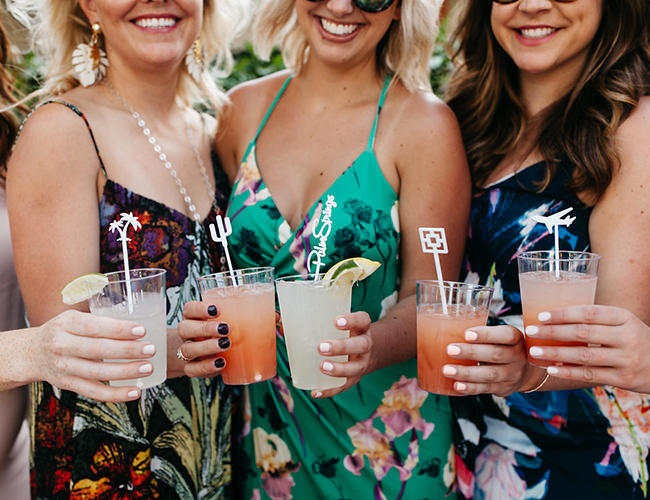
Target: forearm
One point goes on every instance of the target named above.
(394, 335)
(17, 355)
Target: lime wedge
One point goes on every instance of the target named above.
(351, 270)
(83, 287)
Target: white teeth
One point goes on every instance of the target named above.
(537, 32)
(156, 22)
(338, 29)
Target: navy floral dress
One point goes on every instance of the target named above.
(589, 443)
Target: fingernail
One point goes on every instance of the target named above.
(133, 394)
(544, 316)
(149, 349)
(212, 310)
(220, 363)
(138, 331)
(327, 366)
(535, 352)
(341, 322)
(532, 330)
(223, 343)
(459, 386)
(223, 329)
(552, 370)
(325, 347)
(470, 335)
(148, 368)
(318, 394)
(453, 350)
(449, 370)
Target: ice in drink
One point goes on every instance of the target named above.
(544, 291)
(246, 301)
(142, 300)
(436, 331)
(250, 312)
(308, 310)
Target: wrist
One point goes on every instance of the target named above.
(536, 381)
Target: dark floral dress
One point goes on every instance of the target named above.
(590, 443)
(385, 438)
(173, 443)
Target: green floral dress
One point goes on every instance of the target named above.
(383, 439)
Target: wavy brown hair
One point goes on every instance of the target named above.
(580, 126)
(8, 119)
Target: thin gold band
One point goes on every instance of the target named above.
(538, 386)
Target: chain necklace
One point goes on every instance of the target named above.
(163, 157)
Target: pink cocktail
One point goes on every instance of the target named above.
(546, 284)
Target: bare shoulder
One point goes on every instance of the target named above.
(632, 142)
(255, 95)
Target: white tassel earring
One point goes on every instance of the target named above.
(90, 62)
(195, 61)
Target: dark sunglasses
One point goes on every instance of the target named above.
(502, 2)
(373, 6)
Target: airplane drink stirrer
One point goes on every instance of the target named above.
(553, 223)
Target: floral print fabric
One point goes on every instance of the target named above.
(590, 443)
(173, 443)
(383, 439)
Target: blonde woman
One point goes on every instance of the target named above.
(353, 119)
(119, 136)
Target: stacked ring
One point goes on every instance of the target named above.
(179, 355)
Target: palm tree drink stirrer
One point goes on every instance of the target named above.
(434, 241)
(320, 250)
(121, 226)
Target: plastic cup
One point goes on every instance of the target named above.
(308, 308)
(468, 306)
(546, 283)
(147, 307)
(246, 300)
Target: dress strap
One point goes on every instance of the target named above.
(273, 104)
(380, 105)
(83, 117)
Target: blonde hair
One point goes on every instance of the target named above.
(58, 26)
(404, 51)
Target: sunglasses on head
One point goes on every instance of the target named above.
(503, 2)
(373, 6)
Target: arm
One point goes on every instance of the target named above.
(68, 352)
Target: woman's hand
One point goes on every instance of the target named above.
(69, 351)
(358, 347)
(204, 340)
(617, 351)
(501, 354)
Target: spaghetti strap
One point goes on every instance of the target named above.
(380, 105)
(271, 108)
(80, 114)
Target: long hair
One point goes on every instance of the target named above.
(8, 118)
(58, 26)
(580, 126)
(404, 51)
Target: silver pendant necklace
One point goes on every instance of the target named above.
(163, 157)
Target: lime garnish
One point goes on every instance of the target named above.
(351, 270)
(83, 287)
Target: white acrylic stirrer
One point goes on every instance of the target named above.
(553, 223)
(121, 225)
(434, 241)
(220, 235)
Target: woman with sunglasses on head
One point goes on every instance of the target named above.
(552, 101)
(118, 136)
(353, 119)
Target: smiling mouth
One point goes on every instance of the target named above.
(338, 29)
(535, 33)
(156, 22)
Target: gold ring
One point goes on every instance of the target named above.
(179, 355)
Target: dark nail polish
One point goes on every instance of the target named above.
(212, 310)
(224, 343)
(220, 363)
(223, 329)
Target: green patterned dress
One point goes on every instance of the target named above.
(383, 439)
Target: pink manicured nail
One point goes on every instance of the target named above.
(327, 366)
(536, 351)
(453, 350)
(449, 370)
(341, 322)
(133, 394)
(318, 394)
(459, 386)
(470, 335)
(532, 330)
(325, 347)
(138, 331)
(149, 349)
(148, 368)
(552, 370)
(544, 316)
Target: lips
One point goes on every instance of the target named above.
(536, 33)
(156, 22)
(338, 29)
